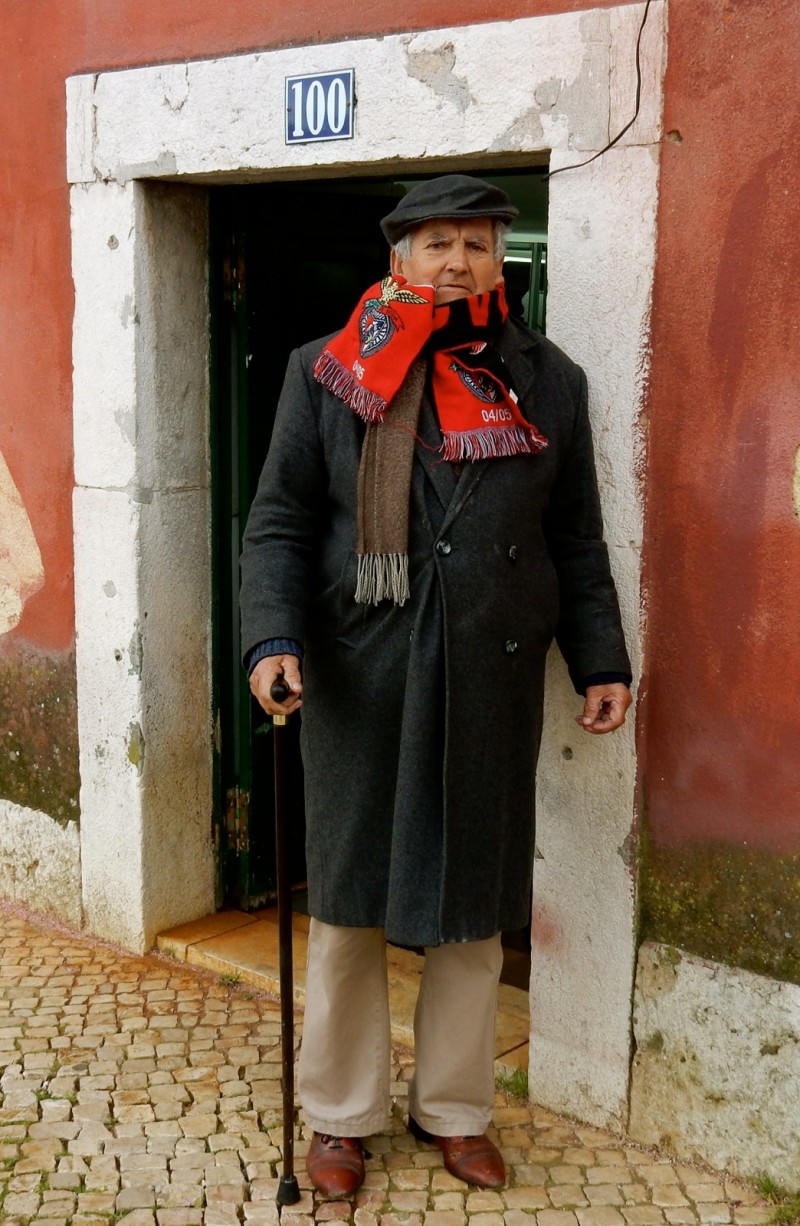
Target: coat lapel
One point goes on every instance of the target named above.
(517, 348)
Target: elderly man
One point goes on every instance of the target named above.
(426, 522)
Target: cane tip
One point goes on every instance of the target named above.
(288, 1190)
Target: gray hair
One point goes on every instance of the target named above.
(402, 249)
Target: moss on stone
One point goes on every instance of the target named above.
(732, 904)
(39, 731)
(136, 746)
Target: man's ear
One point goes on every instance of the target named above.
(395, 264)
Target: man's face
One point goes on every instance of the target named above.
(455, 257)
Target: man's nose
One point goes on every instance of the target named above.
(457, 257)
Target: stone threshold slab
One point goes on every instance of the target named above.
(243, 948)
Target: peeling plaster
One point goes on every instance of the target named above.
(127, 314)
(21, 570)
(548, 93)
(126, 421)
(521, 134)
(135, 653)
(435, 69)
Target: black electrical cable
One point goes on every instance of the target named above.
(631, 122)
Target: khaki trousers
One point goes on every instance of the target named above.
(345, 1056)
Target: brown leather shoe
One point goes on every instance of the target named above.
(474, 1159)
(335, 1165)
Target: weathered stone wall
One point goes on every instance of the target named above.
(717, 1064)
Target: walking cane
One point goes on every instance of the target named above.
(288, 1191)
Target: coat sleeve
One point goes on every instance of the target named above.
(282, 528)
(589, 631)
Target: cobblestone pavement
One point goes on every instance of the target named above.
(138, 1088)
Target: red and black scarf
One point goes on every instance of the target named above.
(392, 326)
(378, 366)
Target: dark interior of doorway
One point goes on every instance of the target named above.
(288, 263)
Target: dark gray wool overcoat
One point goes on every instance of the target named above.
(421, 724)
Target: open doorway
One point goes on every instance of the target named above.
(288, 263)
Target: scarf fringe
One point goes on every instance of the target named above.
(491, 442)
(382, 576)
(334, 376)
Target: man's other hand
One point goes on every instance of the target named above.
(266, 672)
(604, 708)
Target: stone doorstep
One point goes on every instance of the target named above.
(243, 948)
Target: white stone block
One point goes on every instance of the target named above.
(717, 1064)
(40, 862)
(80, 128)
(583, 913)
(559, 73)
(104, 334)
(175, 614)
(140, 341)
(109, 656)
(625, 23)
(172, 342)
(601, 259)
(144, 615)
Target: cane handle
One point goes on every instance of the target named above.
(279, 690)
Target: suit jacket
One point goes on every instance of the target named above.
(421, 724)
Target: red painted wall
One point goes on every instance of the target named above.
(720, 726)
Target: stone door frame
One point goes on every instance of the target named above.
(144, 144)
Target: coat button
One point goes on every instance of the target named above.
(511, 646)
(512, 553)
(443, 547)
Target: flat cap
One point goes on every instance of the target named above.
(447, 196)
